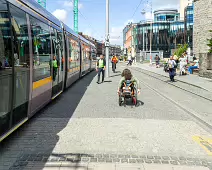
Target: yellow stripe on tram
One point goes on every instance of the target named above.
(42, 82)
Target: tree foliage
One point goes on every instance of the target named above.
(210, 44)
(181, 49)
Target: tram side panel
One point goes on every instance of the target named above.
(73, 59)
(42, 56)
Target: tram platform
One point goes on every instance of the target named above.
(85, 128)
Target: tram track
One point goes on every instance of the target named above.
(195, 90)
(203, 122)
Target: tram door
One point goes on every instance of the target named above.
(57, 65)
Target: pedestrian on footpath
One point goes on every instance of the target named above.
(157, 60)
(129, 59)
(172, 68)
(195, 66)
(114, 61)
(183, 63)
(100, 68)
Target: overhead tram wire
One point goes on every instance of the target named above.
(136, 10)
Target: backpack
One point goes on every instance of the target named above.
(127, 88)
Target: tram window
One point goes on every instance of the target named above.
(5, 68)
(73, 53)
(21, 63)
(41, 49)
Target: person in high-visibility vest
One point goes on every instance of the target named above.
(100, 68)
(55, 66)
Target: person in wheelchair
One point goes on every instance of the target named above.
(128, 84)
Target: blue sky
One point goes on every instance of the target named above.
(92, 15)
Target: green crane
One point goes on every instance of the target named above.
(42, 3)
(76, 16)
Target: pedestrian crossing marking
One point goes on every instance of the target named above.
(205, 143)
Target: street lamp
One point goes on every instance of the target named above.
(150, 50)
(143, 13)
(107, 38)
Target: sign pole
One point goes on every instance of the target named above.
(107, 39)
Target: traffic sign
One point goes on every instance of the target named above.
(107, 44)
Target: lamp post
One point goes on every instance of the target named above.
(151, 23)
(107, 39)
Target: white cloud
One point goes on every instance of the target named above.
(61, 14)
(148, 16)
(69, 5)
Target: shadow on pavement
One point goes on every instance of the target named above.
(129, 103)
(115, 75)
(36, 140)
(108, 81)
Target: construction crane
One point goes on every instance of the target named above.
(42, 3)
(76, 16)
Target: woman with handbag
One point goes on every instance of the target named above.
(172, 68)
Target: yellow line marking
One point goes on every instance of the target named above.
(42, 82)
(205, 143)
(12, 130)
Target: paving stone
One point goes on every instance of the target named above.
(109, 160)
(116, 160)
(132, 161)
(182, 158)
(174, 158)
(124, 160)
(191, 163)
(143, 157)
(148, 161)
(106, 155)
(197, 163)
(99, 155)
(190, 159)
(157, 161)
(93, 160)
(182, 162)
(62, 159)
(140, 160)
(157, 157)
(150, 157)
(165, 158)
(121, 156)
(45, 159)
(101, 160)
(174, 162)
(165, 162)
(91, 155)
(113, 156)
(84, 159)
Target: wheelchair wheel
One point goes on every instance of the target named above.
(120, 100)
(135, 98)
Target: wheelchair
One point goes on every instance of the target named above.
(128, 92)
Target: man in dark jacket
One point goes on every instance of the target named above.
(100, 68)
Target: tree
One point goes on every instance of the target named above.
(181, 49)
(210, 44)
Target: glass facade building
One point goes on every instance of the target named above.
(189, 22)
(166, 15)
(166, 34)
